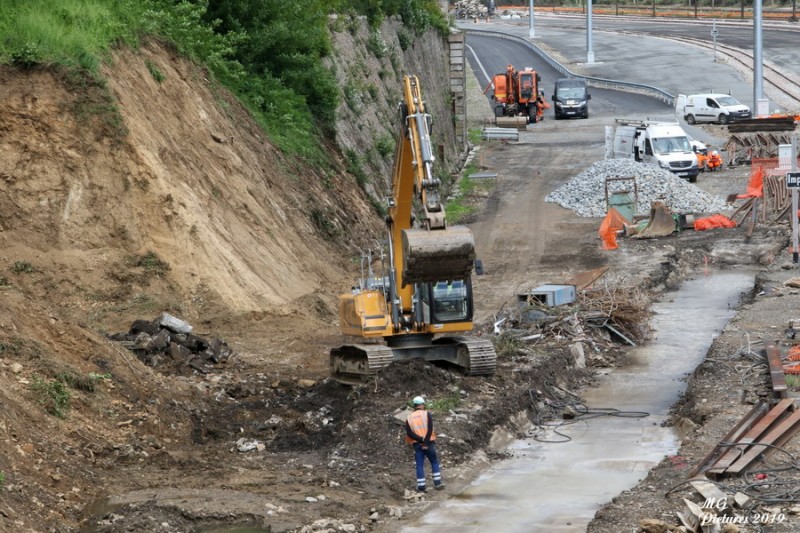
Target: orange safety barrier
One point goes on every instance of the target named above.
(713, 222)
(613, 223)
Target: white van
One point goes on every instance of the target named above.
(663, 144)
(711, 107)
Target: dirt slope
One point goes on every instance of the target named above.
(175, 202)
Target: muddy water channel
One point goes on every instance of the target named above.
(557, 479)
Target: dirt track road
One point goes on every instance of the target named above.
(519, 237)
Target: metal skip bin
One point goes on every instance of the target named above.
(549, 295)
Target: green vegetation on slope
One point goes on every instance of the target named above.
(268, 53)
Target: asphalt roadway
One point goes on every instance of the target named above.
(675, 67)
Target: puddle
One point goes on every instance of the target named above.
(558, 487)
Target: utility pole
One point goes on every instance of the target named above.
(761, 103)
(531, 30)
(589, 51)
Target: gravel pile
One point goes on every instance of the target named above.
(585, 193)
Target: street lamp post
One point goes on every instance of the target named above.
(531, 30)
(589, 51)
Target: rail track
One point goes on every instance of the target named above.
(778, 79)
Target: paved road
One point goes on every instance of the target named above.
(673, 66)
(490, 55)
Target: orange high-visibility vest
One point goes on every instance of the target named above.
(418, 422)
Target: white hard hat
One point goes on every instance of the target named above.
(419, 400)
(714, 153)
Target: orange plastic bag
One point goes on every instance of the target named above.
(712, 222)
(613, 223)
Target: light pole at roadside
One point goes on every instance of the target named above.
(531, 29)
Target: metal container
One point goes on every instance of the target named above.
(550, 295)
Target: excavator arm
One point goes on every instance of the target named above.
(432, 251)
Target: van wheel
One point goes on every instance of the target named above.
(690, 119)
(723, 118)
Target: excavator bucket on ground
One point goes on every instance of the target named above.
(661, 222)
(436, 255)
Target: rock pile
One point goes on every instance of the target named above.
(586, 193)
(168, 341)
(470, 9)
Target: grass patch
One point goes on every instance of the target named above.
(445, 404)
(22, 267)
(13, 346)
(86, 383)
(53, 395)
(507, 346)
(154, 71)
(463, 205)
(151, 263)
(475, 136)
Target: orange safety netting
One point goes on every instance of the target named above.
(613, 223)
(712, 222)
(794, 353)
(794, 357)
(755, 187)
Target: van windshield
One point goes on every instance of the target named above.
(666, 145)
(571, 92)
(728, 100)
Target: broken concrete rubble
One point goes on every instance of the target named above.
(166, 342)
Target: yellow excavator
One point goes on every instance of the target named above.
(423, 289)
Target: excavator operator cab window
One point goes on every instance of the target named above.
(452, 301)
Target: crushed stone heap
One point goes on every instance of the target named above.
(586, 193)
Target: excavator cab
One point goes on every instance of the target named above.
(449, 301)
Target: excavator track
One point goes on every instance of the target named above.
(354, 363)
(482, 357)
(357, 363)
(476, 357)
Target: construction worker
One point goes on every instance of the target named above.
(714, 161)
(702, 158)
(419, 433)
(541, 105)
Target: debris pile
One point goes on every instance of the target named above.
(602, 318)
(586, 193)
(168, 341)
(470, 9)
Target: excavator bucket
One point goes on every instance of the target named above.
(435, 255)
(661, 222)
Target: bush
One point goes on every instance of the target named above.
(404, 38)
(385, 145)
(52, 395)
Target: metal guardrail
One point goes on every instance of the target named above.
(500, 133)
(591, 81)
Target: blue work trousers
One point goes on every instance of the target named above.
(419, 457)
